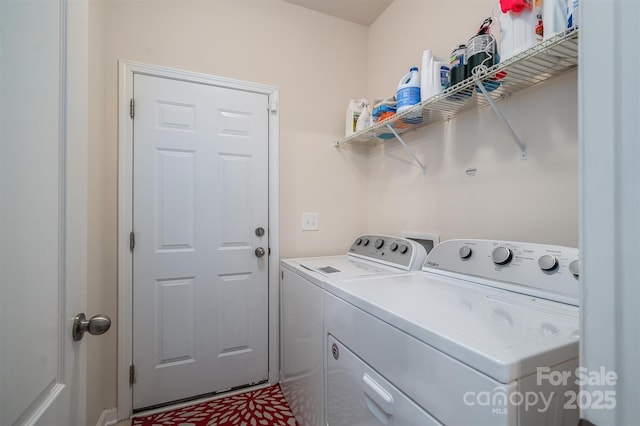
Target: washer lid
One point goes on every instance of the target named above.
(341, 267)
(502, 334)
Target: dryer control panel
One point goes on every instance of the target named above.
(547, 271)
(394, 251)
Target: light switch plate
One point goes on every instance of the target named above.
(309, 221)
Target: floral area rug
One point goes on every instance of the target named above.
(264, 407)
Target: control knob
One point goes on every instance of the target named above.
(547, 262)
(501, 255)
(365, 242)
(393, 246)
(359, 241)
(465, 252)
(574, 267)
(403, 249)
(379, 243)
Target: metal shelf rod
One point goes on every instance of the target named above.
(424, 168)
(523, 148)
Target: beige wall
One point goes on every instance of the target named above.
(319, 63)
(534, 200)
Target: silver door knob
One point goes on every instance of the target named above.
(260, 252)
(98, 324)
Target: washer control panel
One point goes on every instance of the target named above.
(551, 272)
(395, 251)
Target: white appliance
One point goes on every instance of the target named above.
(301, 308)
(459, 343)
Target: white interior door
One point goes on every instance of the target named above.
(43, 211)
(200, 191)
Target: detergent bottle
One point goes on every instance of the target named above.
(554, 17)
(435, 75)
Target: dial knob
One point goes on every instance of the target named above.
(403, 249)
(574, 267)
(379, 243)
(365, 242)
(547, 262)
(465, 252)
(501, 255)
(393, 246)
(359, 241)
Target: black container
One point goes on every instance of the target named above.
(458, 74)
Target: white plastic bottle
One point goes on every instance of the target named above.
(364, 120)
(408, 90)
(554, 17)
(435, 75)
(573, 7)
(409, 95)
(517, 32)
(353, 113)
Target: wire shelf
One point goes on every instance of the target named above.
(536, 65)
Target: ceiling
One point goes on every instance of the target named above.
(362, 12)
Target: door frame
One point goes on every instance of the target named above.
(127, 69)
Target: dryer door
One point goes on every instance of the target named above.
(358, 396)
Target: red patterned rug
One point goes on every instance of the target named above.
(264, 407)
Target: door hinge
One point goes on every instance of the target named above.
(132, 374)
(282, 275)
(132, 240)
(132, 108)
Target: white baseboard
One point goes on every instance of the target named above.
(108, 417)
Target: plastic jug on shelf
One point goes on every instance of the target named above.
(409, 95)
(353, 113)
(435, 75)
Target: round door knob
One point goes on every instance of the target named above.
(379, 243)
(260, 252)
(574, 267)
(97, 325)
(501, 255)
(393, 246)
(547, 262)
(465, 252)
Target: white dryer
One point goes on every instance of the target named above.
(479, 337)
(301, 312)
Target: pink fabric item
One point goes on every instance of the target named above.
(515, 6)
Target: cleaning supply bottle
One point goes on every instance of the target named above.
(409, 95)
(435, 75)
(408, 90)
(554, 17)
(353, 113)
(572, 13)
(364, 120)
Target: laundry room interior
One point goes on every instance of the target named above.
(320, 62)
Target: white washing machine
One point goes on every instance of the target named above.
(482, 336)
(301, 309)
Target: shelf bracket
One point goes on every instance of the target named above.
(392, 130)
(523, 148)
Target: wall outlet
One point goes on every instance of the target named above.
(309, 221)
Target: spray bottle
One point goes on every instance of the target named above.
(364, 120)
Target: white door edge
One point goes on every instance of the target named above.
(127, 69)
